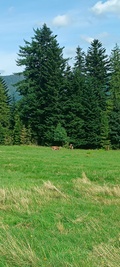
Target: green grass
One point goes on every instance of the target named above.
(59, 208)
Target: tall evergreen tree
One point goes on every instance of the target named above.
(114, 99)
(78, 86)
(115, 76)
(91, 114)
(66, 101)
(4, 112)
(97, 76)
(73, 109)
(41, 87)
(13, 111)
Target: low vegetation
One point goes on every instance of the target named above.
(59, 208)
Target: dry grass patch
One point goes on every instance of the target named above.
(17, 250)
(2, 195)
(2, 199)
(91, 224)
(18, 199)
(106, 190)
(85, 186)
(50, 186)
(61, 228)
(106, 255)
(26, 200)
(81, 219)
(109, 201)
(85, 179)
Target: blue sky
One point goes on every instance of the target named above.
(76, 22)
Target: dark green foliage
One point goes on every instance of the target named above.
(97, 62)
(92, 116)
(98, 67)
(78, 85)
(4, 112)
(25, 136)
(13, 111)
(2, 134)
(73, 96)
(114, 99)
(17, 131)
(59, 104)
(105, 135)
(60, 135)
(115, 77)
(6, 90)
(115, 128)
(97, 73)
(44, 68)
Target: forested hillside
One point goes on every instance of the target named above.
(60, 104)
(11, 81)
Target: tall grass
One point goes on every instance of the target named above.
(59, 208)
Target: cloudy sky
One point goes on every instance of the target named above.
(76, 22)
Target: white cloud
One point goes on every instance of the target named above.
(106, 7)
(61, 20)
(101, 36)
(88, 39)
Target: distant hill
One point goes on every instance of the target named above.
(10, 81)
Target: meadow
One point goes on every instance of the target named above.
(59, 208)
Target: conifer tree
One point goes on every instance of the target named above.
(78, 86)
(41, 87)
(114, 99)
(97, 73)
(60, 135)
(73, 95)
(91, 138)
(4, 112)
(66, 101)
(17, 131)
(13, 111)
(23, 136)
(115, 76)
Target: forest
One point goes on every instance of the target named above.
(61, 104)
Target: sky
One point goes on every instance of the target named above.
(75, 22)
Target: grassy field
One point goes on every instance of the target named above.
(59, 208)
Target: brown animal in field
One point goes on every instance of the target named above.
(71, 146)
(55, 147)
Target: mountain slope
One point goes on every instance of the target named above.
(10, 81)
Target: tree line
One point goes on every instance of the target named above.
(62, 104)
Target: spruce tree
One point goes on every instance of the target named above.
(73, 95)
(66, 101)
(23, 136)
(78, 86)
(17, 130)
(13, 111)
(115, 76)
(97, 77)
(114, 98)
(91, 114)
(41, 87)
(4, 112)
